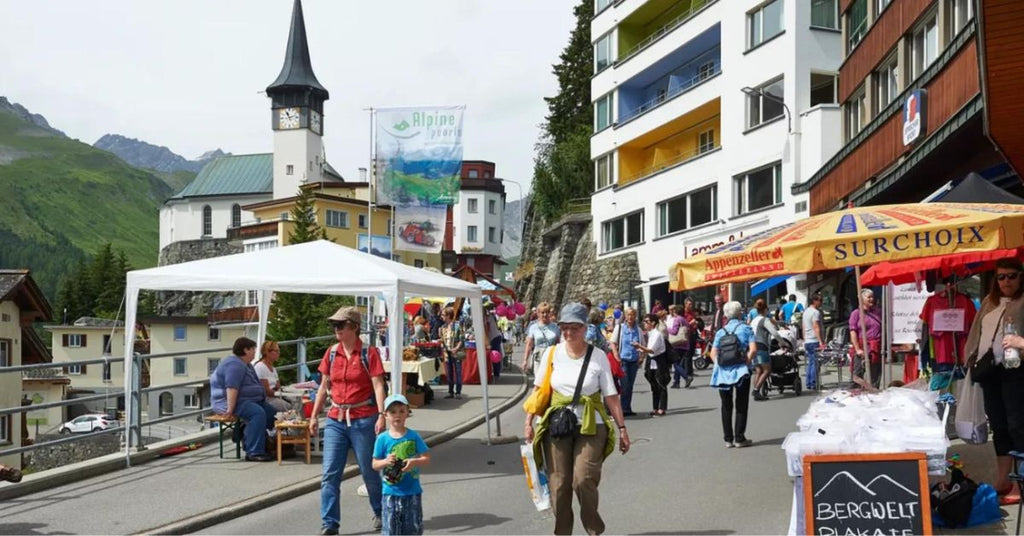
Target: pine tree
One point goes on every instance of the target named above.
(562, 169)
(293, 316)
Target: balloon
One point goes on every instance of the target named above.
(603, 306)
(520, 308)
(501, 309)
(617, 314)
(510, 314)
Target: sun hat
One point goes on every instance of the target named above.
(395, 399)
(573, 313)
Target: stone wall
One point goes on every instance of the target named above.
(196, 303)
(67, 453)
(559, 264)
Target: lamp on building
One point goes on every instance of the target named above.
(759, 92)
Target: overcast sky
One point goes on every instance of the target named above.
(190, 74)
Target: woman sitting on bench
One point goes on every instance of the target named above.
(236, 390)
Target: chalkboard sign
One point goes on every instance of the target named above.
(867, 494)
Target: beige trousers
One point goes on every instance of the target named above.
(574, 464)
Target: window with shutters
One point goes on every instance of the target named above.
(74, 340)
(76, 370)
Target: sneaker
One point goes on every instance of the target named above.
(377, 523)
(729, 444)
(688, 382)
(674, 386)
(743, 443)
(327, 531)
(458, 396)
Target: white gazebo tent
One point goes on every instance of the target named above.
(319, 267)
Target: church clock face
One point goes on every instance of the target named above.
(314, 122)
(288, 118)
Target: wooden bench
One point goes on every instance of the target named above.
(229, 423)
(302, 438)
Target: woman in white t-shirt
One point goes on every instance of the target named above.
(657, 364)
(574, 462)
(265, 371)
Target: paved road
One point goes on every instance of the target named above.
(677, 479)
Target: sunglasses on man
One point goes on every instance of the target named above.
(1011, 276)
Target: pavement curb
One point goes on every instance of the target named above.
(225, 513)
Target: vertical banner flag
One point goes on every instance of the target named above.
(419, 158)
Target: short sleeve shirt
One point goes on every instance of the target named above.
(234, 373)
(263, 372)
(812, 316)
(566, 373)
(350, 380)
(408, 446)
(543, 336)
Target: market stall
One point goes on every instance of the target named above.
(862, 423)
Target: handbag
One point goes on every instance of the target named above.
(563, 422)
(984, 367)
(539, 400)
(681, 337)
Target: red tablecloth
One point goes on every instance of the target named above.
(471, 369)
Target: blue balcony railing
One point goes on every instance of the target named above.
(708, 65)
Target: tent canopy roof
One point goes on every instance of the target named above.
(320, 267)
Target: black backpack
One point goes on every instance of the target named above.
(730, 352)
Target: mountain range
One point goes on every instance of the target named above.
(174, 169)
(61, 199)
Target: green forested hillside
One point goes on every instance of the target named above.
(61, 200)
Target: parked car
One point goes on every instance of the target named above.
(87, 423)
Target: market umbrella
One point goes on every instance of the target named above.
(855, 237)
(959, 264)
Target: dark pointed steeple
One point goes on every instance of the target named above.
(297, 73)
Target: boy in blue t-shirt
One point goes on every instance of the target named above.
(399, 453)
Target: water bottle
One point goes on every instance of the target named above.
(1011, 355)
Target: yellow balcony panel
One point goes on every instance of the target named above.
(671, 144)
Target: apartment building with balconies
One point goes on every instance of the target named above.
(706, 113)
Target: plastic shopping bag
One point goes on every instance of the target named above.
(536, 480)
(971, 422)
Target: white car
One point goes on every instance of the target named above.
(87, 423)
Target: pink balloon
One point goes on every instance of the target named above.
(501, 310)
(511, 315)
(520, 308)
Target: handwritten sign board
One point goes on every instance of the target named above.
(907, 303)
(867, 494)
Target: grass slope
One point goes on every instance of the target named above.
(63, 199)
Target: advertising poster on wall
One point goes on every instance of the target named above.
(380, 245)
(419, 156)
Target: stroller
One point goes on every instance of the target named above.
(785, 373)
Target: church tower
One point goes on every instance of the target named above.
(297, 115)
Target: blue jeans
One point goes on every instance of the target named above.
(627, 386)
(403, 514)
(338, 437)
(811, 349)
(453, 370)
(258, 418)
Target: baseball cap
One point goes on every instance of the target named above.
(395, 398)
(347, 314)
(573, 313)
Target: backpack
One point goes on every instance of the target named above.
(364, 357)
(730, 353)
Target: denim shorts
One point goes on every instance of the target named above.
(762, 358)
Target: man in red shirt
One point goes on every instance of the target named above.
(355, 384)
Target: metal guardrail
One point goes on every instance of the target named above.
(134, 423)
(580, 205)
(695, 7)
(681, 158)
